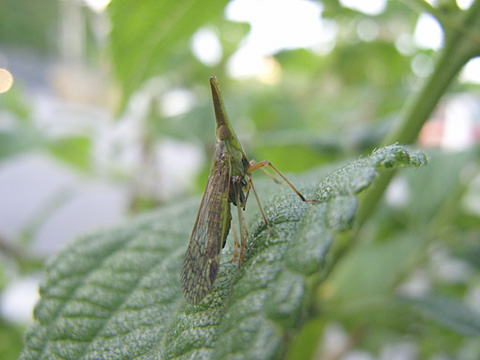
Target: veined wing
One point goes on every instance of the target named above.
(202, 259)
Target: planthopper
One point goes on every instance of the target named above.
(229, 182)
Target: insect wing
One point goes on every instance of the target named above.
(202, 259)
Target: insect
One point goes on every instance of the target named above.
(229, 182)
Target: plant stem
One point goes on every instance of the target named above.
(458, 50)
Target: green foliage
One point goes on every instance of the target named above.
(22, 137)
(448, 312)
(381, 265)
(117, 293)
(157, 29)
(28, 23)
(11, 340)
(17, 141)
(306, 343)
(73, 150)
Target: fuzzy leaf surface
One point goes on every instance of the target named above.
(116, 294)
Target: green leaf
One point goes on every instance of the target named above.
(28, 23)
(11, 336)
(73, 150)
(381, 264)
(117, 294)
(17, 141)
(447, 312)
(146, 34)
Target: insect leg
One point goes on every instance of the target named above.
(250, 183)
(236, 243)
(243, 229)
(270, 175)
(255, 166)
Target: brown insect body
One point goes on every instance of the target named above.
(229, 182)
(209, 235)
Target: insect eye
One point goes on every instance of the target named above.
(224, 132)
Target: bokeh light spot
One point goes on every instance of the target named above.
(6, 80)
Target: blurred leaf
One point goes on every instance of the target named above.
(430, 189)
(117, 294)
(305, 344)
(381, 264)
(295, 158)
(468, 248)
(14, 102)
(11, 336)
(447, 312)
(17, 141)
(73, 150)
(29, 22)
(146, 34)
(399, 243)
(377, 61)
(300, 62)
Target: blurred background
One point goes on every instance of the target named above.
(105, 112)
